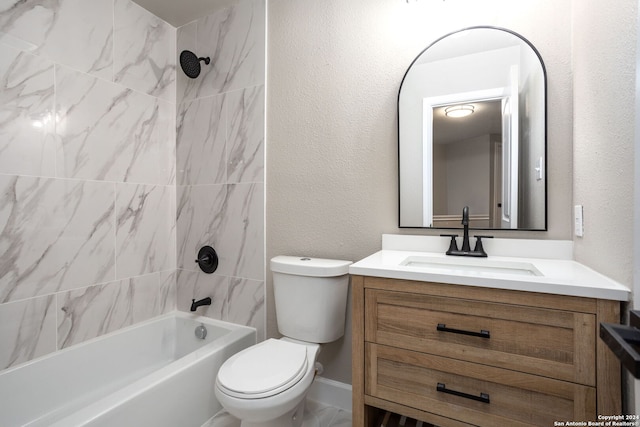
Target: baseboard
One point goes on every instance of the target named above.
(332, 393)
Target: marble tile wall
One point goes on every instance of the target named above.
(220, 164)
(92, 144)
(87, 172)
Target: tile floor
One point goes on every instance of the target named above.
(316, 415)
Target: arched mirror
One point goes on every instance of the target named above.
(472, 132)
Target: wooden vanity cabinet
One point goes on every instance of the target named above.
(455, 355)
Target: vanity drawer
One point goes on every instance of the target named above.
(473, 393)
(551, 343)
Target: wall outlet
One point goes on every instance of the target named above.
(578, 221)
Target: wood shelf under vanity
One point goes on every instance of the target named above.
(501, 357)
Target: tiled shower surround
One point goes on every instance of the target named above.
(115, 168)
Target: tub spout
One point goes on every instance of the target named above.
(195, 304)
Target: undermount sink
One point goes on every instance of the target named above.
(476, 266)
(542, 266)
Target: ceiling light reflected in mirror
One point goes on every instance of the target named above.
(457, 111)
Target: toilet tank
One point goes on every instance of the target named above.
(310, 297)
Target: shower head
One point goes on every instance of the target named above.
(190, 63)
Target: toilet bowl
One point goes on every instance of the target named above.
(265, 385)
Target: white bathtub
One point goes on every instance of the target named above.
(156, 373)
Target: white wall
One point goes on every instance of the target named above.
(333, 72)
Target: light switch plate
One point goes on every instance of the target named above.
(578, 221)
(539, 169)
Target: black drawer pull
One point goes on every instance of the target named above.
(484, 397)
(482, 334)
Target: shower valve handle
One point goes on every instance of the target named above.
(207, 259)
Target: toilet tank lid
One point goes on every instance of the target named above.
(307, 266)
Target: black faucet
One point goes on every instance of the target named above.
(195, 304)
(478, 251)
(465, 223)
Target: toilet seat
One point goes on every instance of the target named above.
(263, 370)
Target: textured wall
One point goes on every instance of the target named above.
(634, 387)
(87, 172)
(604, 61)
(220, 164)
(333, 75)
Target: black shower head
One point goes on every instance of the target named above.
(190, 63)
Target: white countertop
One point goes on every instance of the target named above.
(559, 276)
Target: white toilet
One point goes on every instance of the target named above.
(266, 384)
